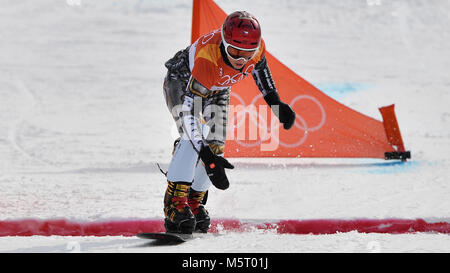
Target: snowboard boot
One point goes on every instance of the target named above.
(178, 215)
(197, 200)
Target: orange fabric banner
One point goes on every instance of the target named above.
(391, 126)
(323, 126)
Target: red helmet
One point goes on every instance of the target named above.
(242, 31)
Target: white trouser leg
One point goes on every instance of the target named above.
(201, 179)
(182, 166)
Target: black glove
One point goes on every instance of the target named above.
(284, 112)
(215, 167)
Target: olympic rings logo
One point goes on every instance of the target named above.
(227, 80)
(259, 120)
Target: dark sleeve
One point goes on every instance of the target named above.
(263, 79)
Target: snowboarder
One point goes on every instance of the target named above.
(196, 89)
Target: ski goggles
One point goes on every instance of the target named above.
(237, 53)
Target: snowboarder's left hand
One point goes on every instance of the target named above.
(286, 115)
(282, 110)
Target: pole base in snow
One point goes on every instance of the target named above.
(397, 155)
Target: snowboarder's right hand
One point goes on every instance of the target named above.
(215, 167)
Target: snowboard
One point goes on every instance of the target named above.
(166, 238)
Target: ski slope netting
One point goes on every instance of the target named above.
(63, 227)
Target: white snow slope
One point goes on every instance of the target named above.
(83, 120)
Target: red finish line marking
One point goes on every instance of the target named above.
(64, 227)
